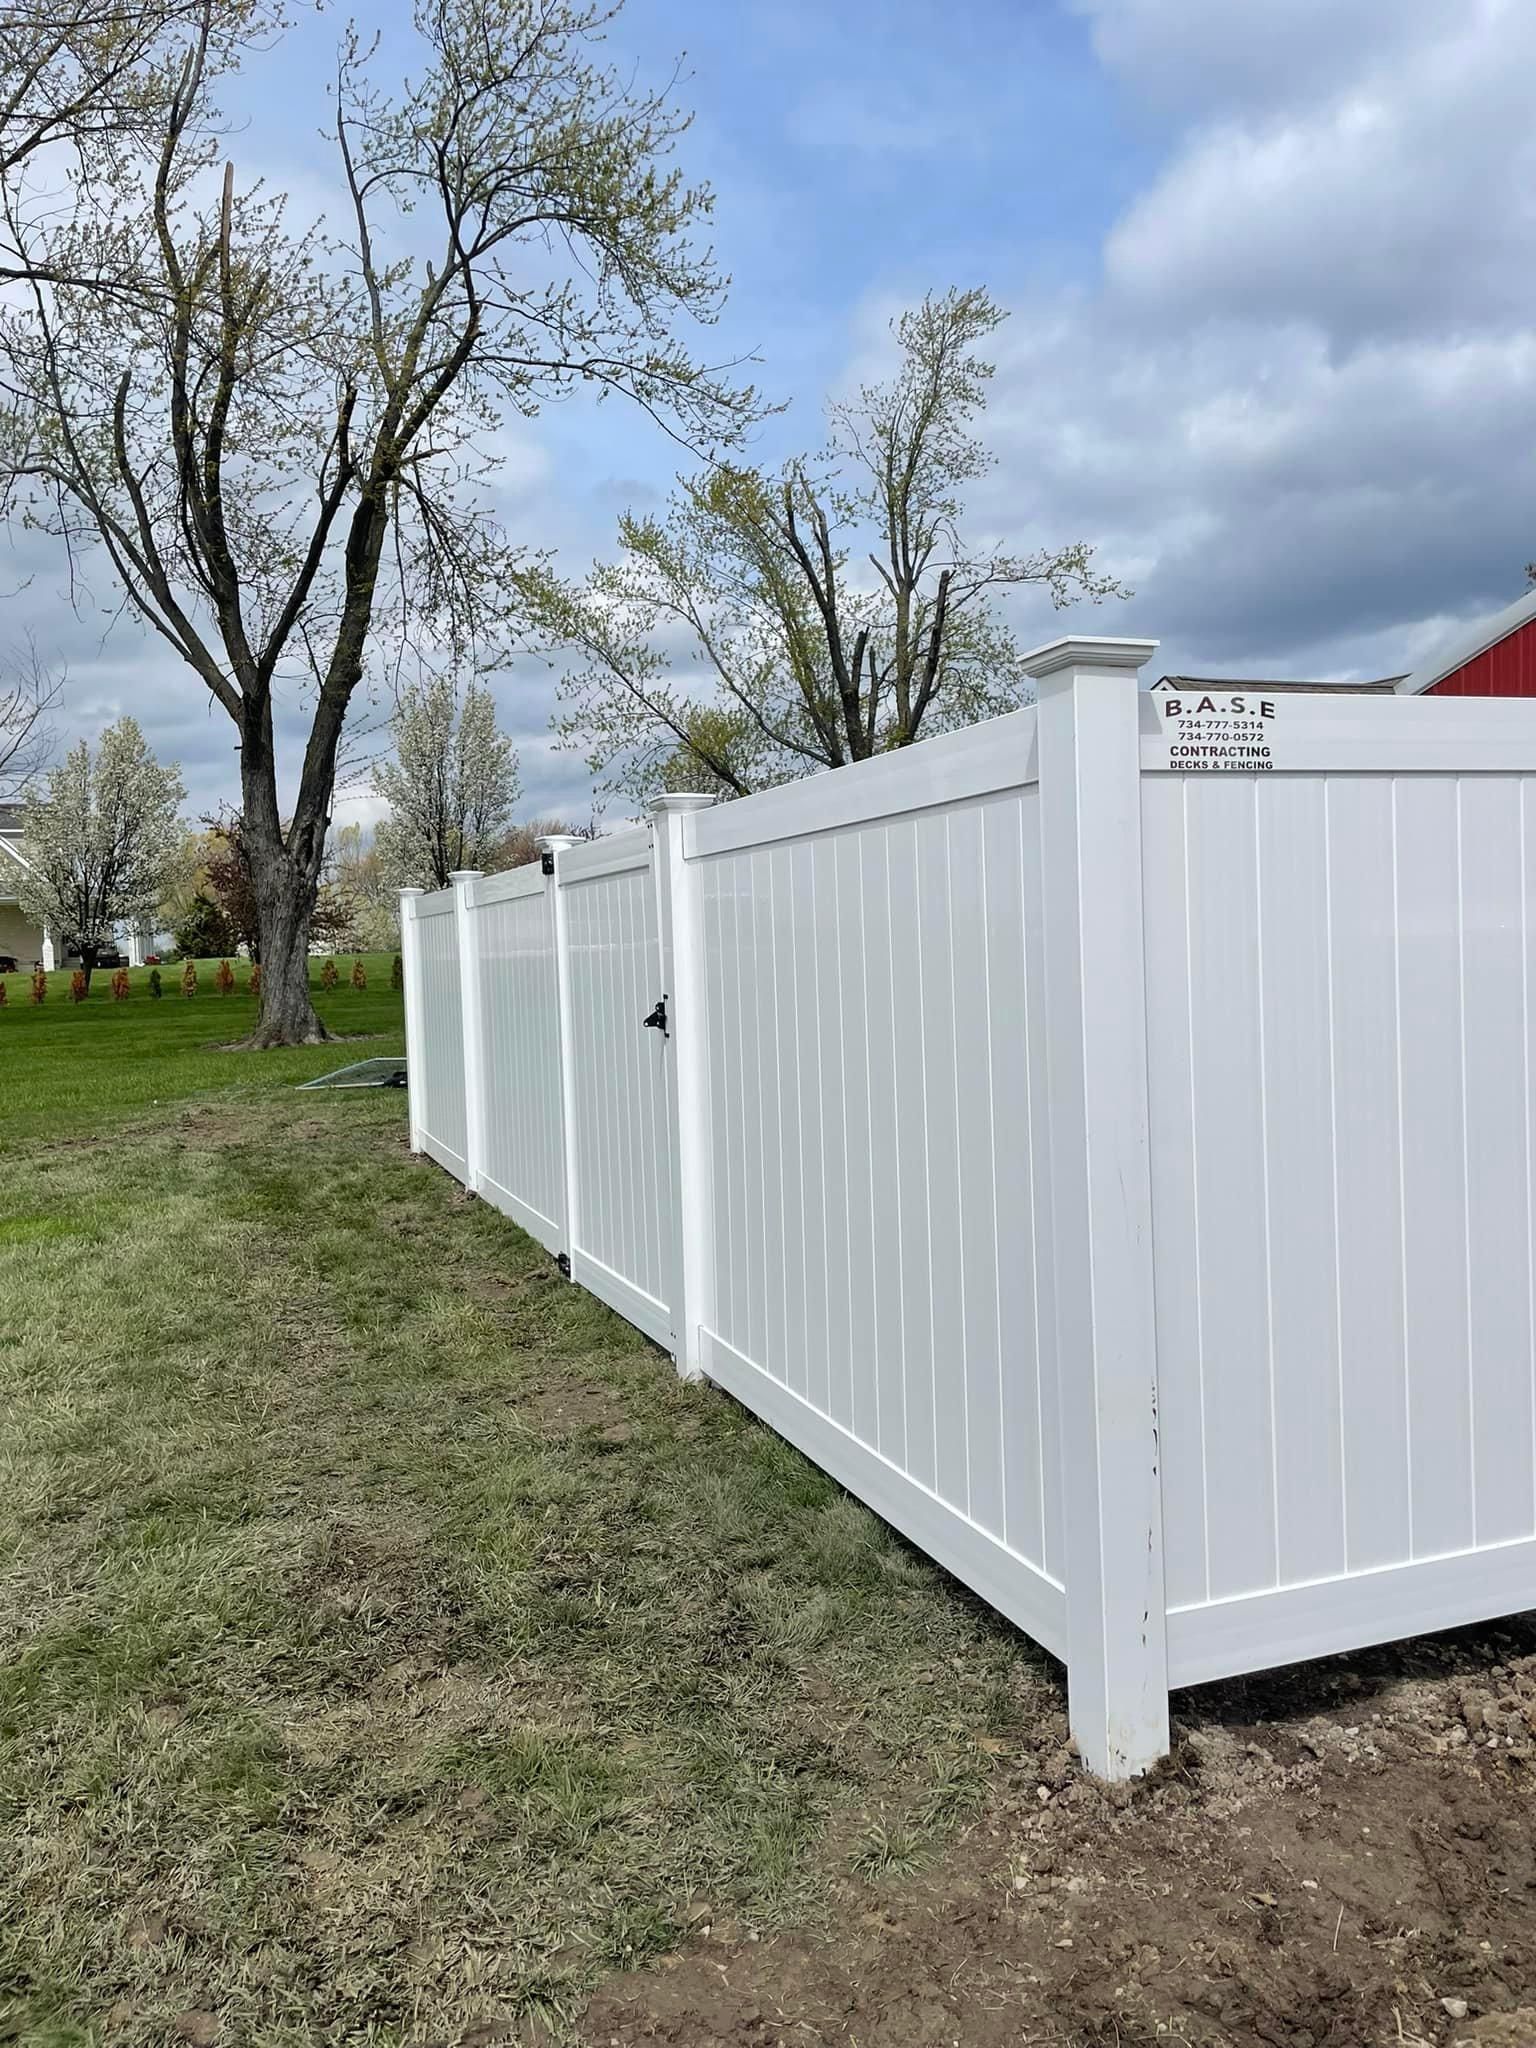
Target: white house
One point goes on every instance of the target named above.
(33, 945)
(28, 944)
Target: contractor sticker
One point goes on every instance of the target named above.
(1216, 730)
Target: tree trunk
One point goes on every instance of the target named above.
(288, 1016)
(87, 964)
(284, 887)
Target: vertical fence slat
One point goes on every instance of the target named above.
(858, 1327)
(1015, 1050)
(1441, 1402)
(1363, 1029)
(910, 1111)
(1498, 1112)
(884, 1113)
(944, 1252)
(1303, 1237)
(813, 1054)
(790, 1237)
(977, 1357)
(1228, 1136)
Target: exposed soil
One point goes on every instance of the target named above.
(253, 1044)
(1340, 1855)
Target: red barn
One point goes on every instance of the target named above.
(1494, 658)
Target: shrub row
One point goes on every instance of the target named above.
(223, 980)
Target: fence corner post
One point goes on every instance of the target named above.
(464, 880)
(680, 901)
(550, 846)
(1101, 1198)
(410, 972)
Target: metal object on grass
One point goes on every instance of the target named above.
(379, 1073)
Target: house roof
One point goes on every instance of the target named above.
(10, 862)
(1466, 643)
(1383, 687)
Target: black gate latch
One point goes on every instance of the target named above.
(657, 1020)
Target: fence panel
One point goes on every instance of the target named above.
(512, 927)
(1117, 1174)
(620, 1141)
(1340, 1023)
(437, 1074)
(872, 991)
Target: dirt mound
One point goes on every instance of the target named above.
(1330, 1859)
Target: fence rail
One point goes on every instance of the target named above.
(1102, 1139)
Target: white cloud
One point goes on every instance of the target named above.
(1403, 196)
(1299, 411)
(1193, 58)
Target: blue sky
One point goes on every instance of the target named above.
(1272, 342)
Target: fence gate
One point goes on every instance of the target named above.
(620, 1183)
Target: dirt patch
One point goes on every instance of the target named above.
(577, 1408)
(330, 1038)
(1331, 1858)
(208, 1126)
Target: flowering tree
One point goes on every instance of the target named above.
(100, 838)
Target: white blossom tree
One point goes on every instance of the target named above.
(101, 841)
(450, 788)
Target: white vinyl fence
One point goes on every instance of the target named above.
(1100, 1138)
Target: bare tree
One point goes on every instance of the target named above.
(29, 694)
(450, 788)
(821, 616)
(520, 848)
(277, 438)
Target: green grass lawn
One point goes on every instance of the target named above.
(390, 1645)
(66, 1067)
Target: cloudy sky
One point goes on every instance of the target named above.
(1270, 271)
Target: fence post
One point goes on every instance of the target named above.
(410, 971)
(551, 846)
(680, 900)
(1101, 1198)
(464, 880)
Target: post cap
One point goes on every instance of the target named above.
(551, 842)
(678, 800)
(465, 874)
(1075, 650)
(411, 892)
